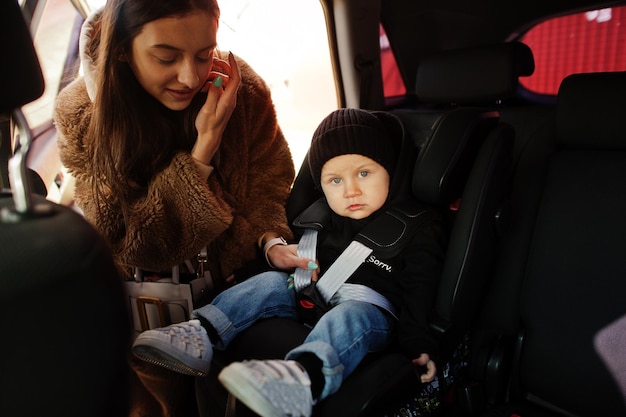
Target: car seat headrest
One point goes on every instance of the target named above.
(22, 79)
(476, 75)
(591, 111)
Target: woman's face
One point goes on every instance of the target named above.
(172, 57)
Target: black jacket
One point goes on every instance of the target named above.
(408, 279)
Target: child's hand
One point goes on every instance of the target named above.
(425, 364)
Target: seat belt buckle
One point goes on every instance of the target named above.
(311, 305)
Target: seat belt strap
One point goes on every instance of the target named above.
(358, 292)
(343, 267)
(337, 273)
(333, 287)
(306, 249)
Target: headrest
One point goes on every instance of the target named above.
(591, 111)
(22, 80)
(476, 75)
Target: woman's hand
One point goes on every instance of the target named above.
(424, 362)
(217, 109)
(286, 258)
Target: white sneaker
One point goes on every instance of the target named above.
(271, 388)
(183, 347)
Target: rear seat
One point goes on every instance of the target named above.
(560, 279)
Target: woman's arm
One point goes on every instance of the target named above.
(178, 214)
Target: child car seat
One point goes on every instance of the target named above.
(464, 155)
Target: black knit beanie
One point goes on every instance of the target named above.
(350, 131)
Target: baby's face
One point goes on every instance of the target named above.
(355, 186)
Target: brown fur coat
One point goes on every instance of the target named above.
(244, 197)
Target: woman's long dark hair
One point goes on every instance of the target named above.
(133, 135)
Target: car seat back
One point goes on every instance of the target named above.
(568, 285)
(465, 166)
(574, 281)
(61, 302)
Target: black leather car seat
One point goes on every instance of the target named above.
(560, 282)
(65, 326)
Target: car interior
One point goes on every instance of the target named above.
(530, 179)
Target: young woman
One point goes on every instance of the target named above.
(174, 146)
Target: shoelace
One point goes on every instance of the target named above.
(187, 338)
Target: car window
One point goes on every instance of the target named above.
(286, 42)
(51, 27)
(393, 85)
(592, 41)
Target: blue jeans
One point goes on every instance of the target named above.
(341, 338)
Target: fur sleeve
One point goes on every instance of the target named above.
(178, 215)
